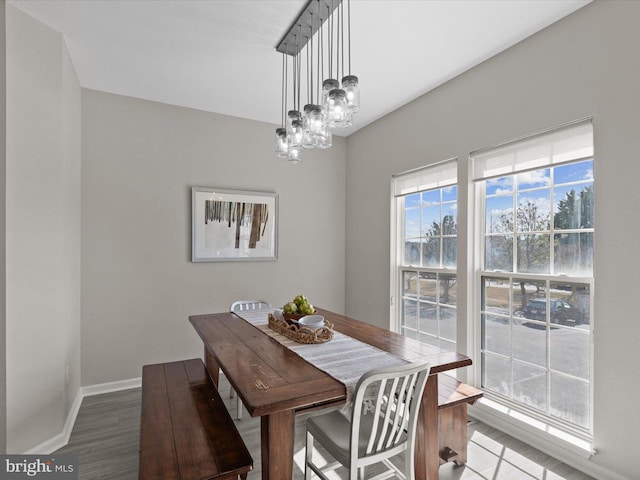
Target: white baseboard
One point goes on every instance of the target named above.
(546, 443)
(109, 387)
(58, 441)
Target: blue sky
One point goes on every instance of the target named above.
(431, 203)
(532, 187)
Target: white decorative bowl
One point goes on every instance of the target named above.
(312, 321)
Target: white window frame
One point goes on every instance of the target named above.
(477, 239)
(434, 176)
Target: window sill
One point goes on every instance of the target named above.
(544, 437)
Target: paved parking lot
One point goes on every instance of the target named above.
(550, 367)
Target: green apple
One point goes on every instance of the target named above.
(300, 300)
(290, 308)
(306, 309)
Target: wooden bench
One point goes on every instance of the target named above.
(186, 432)
(453, 398)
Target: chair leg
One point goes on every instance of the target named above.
(231, 391)
(409, 468)
(308, 457)
(355, 474)
(238, 408)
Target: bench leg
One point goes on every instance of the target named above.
(452, 433)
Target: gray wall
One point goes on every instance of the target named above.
(140, 160)
(42, 232)
(586, 64)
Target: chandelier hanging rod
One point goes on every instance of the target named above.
(307, 19)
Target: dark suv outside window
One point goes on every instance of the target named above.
(561, 312)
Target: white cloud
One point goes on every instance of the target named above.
(535, 177)
(589, 174)
(502, 184)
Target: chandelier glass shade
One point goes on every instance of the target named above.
(292, 116)
(294, 155)
(282, 142)
(318, 33)
(352, 91)
(314, 126)
(328, 85)
(296, 137)
(326, 140)
(338, 109)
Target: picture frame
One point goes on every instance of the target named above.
(233, 225)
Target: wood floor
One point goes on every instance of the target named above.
(105, 438)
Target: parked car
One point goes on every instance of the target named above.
(561, 312)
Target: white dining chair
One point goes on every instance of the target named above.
(243, 306)
(382, 424)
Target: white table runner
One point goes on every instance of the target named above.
(344, 358)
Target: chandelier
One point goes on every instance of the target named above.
(315, 44)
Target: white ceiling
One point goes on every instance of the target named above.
(219, 55)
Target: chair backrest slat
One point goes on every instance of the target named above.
(401, 408)
(379, 403)
(390, 418)
(407, 396)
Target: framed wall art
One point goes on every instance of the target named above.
(233, 225)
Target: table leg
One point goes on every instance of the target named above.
(427, 461)
(212, 367)
(277, 434)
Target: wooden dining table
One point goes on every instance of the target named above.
(275, 383)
